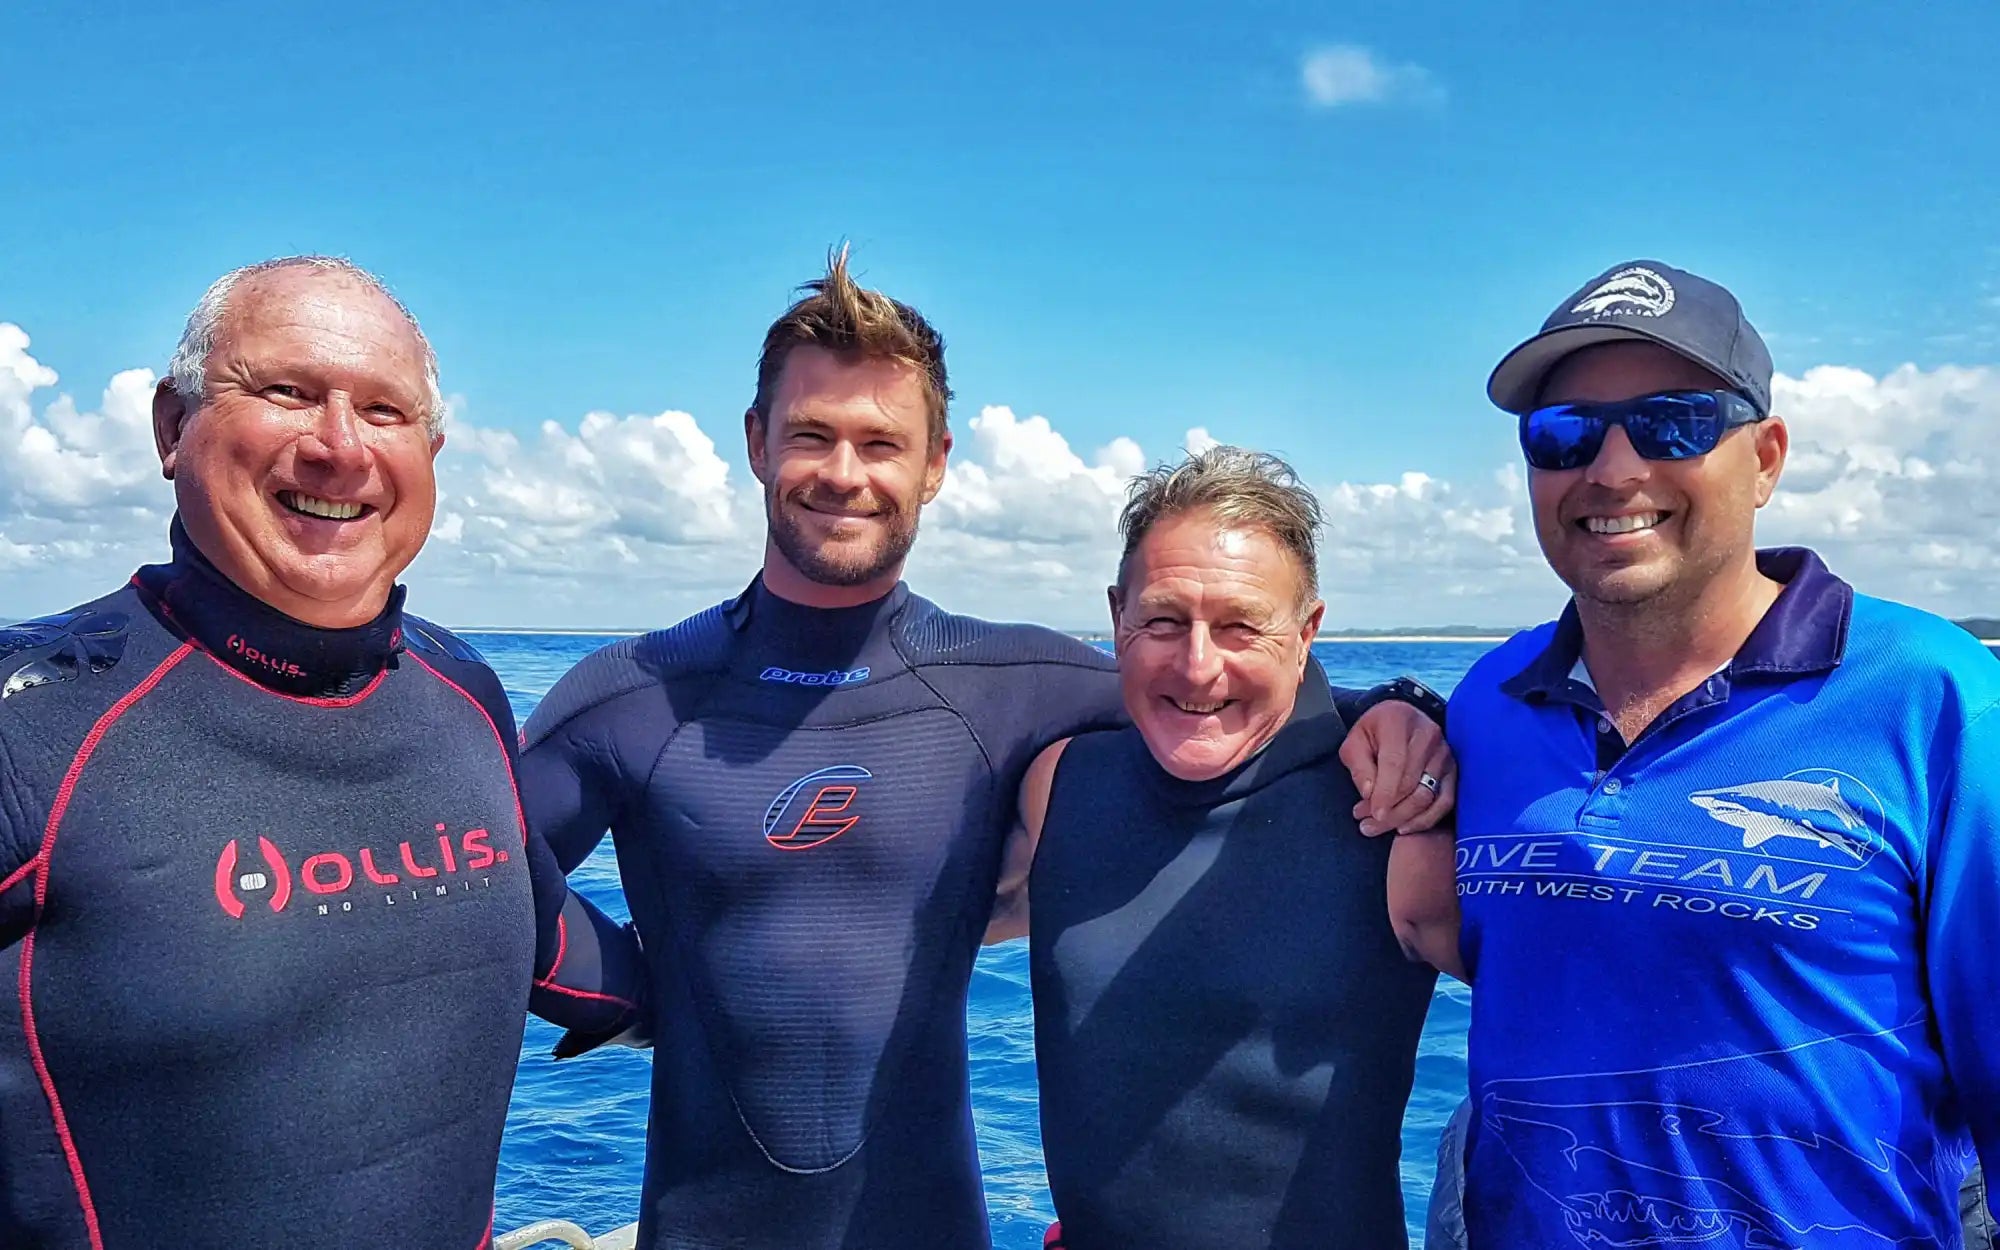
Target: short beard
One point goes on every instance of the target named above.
(819, 565)
(1616, 598)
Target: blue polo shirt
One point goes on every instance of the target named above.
(1734, 982)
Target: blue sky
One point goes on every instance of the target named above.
(1132, 220)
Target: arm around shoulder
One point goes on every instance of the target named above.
(1010, 901)
(568, 766)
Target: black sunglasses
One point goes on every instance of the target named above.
(1669, 425)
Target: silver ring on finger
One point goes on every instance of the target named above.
(1428, 782)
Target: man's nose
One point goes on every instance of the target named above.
(1200, 661)
(336, 437)
(1618, 465)
(840, 470)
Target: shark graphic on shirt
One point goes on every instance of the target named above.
(1666, 1158)
(1810, 811)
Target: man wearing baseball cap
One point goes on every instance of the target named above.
(1729, 833)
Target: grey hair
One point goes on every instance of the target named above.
(189, 367)
(1246, 489)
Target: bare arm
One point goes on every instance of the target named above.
(1010, 900)
(1423, 899)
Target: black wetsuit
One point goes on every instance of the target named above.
(808, 808)
(1225, 1025)
(268, 925)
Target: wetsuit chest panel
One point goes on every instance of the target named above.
(842, 854)
(1225, 1028)
(255, 900)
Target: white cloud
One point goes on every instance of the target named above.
(1893, 478)
(1344, 73)
(637, 520)
(613, 522)
(76, 487)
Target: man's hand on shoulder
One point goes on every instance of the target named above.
(1389, 751)
(1010, 899)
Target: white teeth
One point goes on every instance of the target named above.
(312, 506)
(1621, 524)
(1198, 709)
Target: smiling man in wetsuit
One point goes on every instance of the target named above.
(264, 889)
(1225, 1021)
(808, 788)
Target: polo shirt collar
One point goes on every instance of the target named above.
(1803, 633)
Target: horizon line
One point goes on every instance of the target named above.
(1086, 635)
(1385, 636)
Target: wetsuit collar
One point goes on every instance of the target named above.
(261, 642)
(1313, 731)
(795, 644)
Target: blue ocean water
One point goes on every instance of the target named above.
(575, 1144)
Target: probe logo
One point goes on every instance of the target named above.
(832, 677)
(827, 813)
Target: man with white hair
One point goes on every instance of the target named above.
(265, 889)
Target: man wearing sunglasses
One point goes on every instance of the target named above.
(1729, 833)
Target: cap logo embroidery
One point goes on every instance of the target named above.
(1637, 291)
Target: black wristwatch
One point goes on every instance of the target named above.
(1406, 690)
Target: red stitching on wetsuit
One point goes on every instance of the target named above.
(522, 816)
(562, 947)
(345, 701)
(547, 981)
(486, 1240)
(585, 994)
(56, 812)
(20, 872)
(519, 814)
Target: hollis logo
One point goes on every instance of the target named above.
(282, 667)
(331, 873)
(827, 814)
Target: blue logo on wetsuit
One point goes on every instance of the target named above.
(828, 812)
(832, 677)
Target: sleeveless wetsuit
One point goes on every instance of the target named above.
(267, 926)
(808, 808)
(1225, 1026)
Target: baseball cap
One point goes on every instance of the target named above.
(1646, 300)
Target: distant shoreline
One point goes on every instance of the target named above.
(1085, 635)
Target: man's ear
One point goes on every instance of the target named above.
(934, 468)
(753, 440)
(170, 415)
(1774, 442)
(1117, 602)
(1309, 630)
